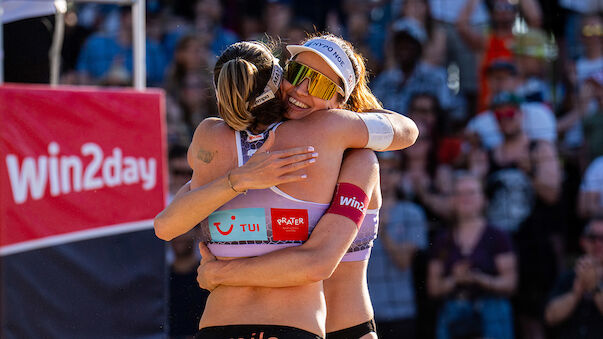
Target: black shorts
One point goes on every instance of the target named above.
(354, 331)
(254, 332)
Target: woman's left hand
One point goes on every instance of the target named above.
(204, 271)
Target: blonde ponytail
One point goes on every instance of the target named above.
(233, 90)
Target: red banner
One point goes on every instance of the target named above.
(78, 159)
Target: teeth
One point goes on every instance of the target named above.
(297, 103)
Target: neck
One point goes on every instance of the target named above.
(514, 138)
(470, 222)
(593, 53)
(408, 68)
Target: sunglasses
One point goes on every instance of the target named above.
(505, 114)
(592, 30)
(320, 85)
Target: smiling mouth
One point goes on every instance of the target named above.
(297, 103)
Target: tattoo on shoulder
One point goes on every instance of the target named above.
(206, 156)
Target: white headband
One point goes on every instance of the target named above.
(273, 85)
(334, 56)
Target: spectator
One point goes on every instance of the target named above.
(573, 16)
(187, 300)
(402, 233)
(446, 14)
(106, 59)
(472, 268)
(409, 74)
(208, 21)
(593, 123)
(190, 96)
(523, 187)
(180, 171)
(365, 36)
(298, 31)
(434, 51)
(533, 54)
(424, 180)
(592, 40)
(584, 68)
(576, 306)
(496, 44)
(538, 120)
(590, 203)
(277, 17)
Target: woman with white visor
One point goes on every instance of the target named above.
(237, 230)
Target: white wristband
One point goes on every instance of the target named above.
(380, 130)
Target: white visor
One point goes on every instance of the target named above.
(334, 56)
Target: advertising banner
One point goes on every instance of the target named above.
(82, 174)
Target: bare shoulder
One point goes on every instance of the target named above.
(213, 141)
(330, 116)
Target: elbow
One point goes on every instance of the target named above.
(413, 133)
(320, 272)
(161, 231)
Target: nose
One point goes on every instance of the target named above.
(302, 88)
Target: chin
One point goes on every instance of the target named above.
(295, 114)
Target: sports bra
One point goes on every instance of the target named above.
(261, 221)
(363, 243)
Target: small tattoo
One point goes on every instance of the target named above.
(205, 156)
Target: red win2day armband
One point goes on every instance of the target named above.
(349, 201)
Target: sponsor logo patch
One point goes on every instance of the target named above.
(289, 224)
(239, 224)
(252, 138)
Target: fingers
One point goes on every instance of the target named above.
(292, 178)
(205, 252)
(268, 143)
(284, 162)
(296, 166)
(293, 151)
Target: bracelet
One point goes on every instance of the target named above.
(231, 186)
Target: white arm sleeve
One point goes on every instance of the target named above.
(380, 130)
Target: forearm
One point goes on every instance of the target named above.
(442, 286)
(531, 11)
(401, 254)
(313, 261)
(187, 210)
(561, 307)
(292, 266)
(501, 284)
(463, 25)
(547, 185)
(547, 192)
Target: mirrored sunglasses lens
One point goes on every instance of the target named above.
(319, 85)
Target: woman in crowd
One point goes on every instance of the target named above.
(472, 267)
(296, 311)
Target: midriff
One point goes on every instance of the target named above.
(299, 306)
(347, 296)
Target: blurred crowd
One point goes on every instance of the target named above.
(492, 223)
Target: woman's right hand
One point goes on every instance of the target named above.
(270, 168)
(204, 271)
